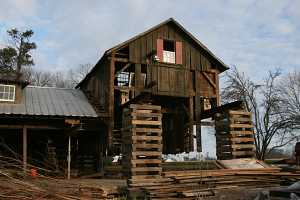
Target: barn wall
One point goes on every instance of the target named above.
(181, 80)
(192, 56)
(96, 87)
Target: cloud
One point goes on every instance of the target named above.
(253, 35)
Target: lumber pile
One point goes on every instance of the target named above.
(234, 135)
(142, 145)
(204, 183)
(18, 184)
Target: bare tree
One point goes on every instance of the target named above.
(60, 79)
(38, 78)
(271, 129)
(289, 93)
(77, 74)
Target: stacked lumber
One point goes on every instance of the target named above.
(15, 183)
(234, 135)
(204, 183)
(142, 145)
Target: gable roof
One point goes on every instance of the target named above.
(47, 101)
(170, 20)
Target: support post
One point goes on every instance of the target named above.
(111, 100)
(191, 122)
(138, 82)
(24, 149)
(69, 158)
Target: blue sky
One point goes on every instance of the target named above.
(256, 36)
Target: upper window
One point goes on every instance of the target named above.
(7, 92)
(169, 51)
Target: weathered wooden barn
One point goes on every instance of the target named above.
(166, 65)
(164, 79)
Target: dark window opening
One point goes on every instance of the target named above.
(169, 45)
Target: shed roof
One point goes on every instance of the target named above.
(47, 101)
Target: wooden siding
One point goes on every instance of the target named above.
(96, 88)
(192, 56)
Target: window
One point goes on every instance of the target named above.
(168, 51)
(7, 92)
(123, 79)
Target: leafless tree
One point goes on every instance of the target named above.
(271, 129)
(38, 78)
(60, 79)
(289, 93)
(77, 74)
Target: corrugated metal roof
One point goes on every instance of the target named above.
(46, 101)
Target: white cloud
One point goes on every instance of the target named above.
(254, 35)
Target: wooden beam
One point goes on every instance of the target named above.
(110, 122)
(123, 68)
(27, 126)
(24, 149)
(137, 79)
(209, 80)
(191, 119)
(113, 57)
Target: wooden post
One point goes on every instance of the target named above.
(111, 100)
(138, 79)
(24, 149)
(191, 121)
(69, 158)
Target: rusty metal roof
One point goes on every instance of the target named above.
(47, 101)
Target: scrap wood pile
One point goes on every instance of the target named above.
(14, 184)
(203, 183)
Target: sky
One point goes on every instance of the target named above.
(254, 36)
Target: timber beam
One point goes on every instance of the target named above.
(126, 60)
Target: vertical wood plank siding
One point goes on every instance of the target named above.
(141, 49)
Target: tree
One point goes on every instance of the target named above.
(38, 77)
(78, 74)
(271, 129)
(289, 93)
(7, 56)
(65, 79)
(18, 53)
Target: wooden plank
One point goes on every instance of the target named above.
(242, 139)
(146, 153)
(147, 138)
(146, 161)
(234, 112)
(241, 126)
(146, 169)
(243, 146)
(145, 107)
(234, 133)
(141, 177)
(144, 122)
(141, 114)
(148, 130)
